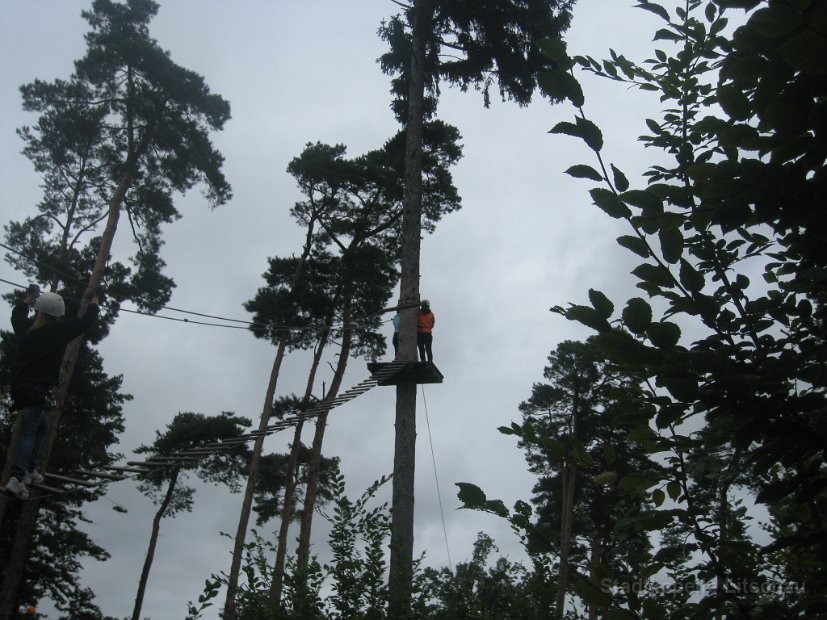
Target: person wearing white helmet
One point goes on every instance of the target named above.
(425, 328)
(41, 343)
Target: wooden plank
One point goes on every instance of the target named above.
(98, 474)
(47, 488)
(85, 483)
(410, 372)
(133, 470)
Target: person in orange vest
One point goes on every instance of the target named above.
(424, 335)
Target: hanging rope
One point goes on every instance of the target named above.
(436, 478)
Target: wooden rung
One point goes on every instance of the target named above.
(47, 488)
(134, 470)
(98, 474)
(84, 483)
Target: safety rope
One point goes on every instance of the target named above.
(436, 478)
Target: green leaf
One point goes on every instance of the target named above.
(555, 446)
(682, 387)
(671, 244)
(586, 130)
(643, 199)
(559, 84)
(709, 12)
(610, 69)
(654, 8)
(554, 50)
(669, 415)
(588, 317)
(582, 171)
(635, 244)
(666, 35)
(621, 182)
(657, 275)
(622, 348)
(637, 315)
(636, 482)
(590, 133)
(658, 497)
(601, 304)
(734, 102)
(806, 53)
(674, 489)
(641, 435)
(664, 334)
(514, 429)
(610, 203)
(605, 478)
(471, 495)
(591, 593)
(776, 21)
(631, 419)
(690, 278)
(609, 453)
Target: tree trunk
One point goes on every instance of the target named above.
(290, 470)
(15, 436)
(252, 477)
(28, 516)
(255, 460)
(594, 563)
(567, 516)
(303, 553)
(153, 541)
(400, 574)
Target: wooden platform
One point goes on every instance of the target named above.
(408, 372)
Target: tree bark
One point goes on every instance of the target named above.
(28, 515)
(290, 473)
(303, 553)
(153, 541)
(252, 477)
(400, 574)
(567, 516)
(255, 460)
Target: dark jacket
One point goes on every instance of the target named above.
(40, 351)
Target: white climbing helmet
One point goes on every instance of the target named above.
(51, 304)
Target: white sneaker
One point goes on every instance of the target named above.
(33, 477)
(15, 487)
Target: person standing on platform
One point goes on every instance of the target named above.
(396, 320)
(425, 328)
(41, 342)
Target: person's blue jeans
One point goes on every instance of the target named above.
(34, 430)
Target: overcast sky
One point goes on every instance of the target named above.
(526, 238)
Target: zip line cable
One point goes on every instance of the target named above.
(67, 276)
(436, 478)
(153, 316)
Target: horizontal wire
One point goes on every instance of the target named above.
(153, 316)
(172, 309)
(102, 289)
